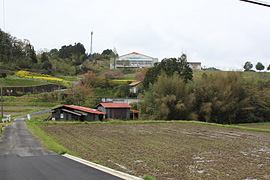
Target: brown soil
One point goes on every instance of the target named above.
(170, 151)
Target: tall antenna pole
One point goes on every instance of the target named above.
(91, 46)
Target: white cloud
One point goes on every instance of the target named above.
(224, 33)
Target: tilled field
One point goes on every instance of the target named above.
(170, 150)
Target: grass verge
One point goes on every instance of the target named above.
(48, 140)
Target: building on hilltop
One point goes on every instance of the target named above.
(195, 65)
(132, 60)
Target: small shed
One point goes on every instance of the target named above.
(115, 110)
(134, 114)
(133, 87)
(76, 113)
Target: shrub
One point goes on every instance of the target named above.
(113, 74)
(46, 77)
(4, 75)
(148, 177)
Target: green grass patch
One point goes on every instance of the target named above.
(246, 75)
(48, 140)
(68, 78)
(264, 126)
(148, 177)
(20, 82)
(23, 104)
(101, 92)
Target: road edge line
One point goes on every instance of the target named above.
(103, 168)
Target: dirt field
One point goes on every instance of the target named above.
(170, 151)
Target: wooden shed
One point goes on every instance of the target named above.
(115, 110)
(76, 113)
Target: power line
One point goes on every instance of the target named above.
(257, 2)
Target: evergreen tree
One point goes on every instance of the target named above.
(259, 66)
(248, 66)
(169, 66)
(44, 57)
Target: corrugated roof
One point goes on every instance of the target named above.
(194, 63)
(135, 83)
(134, 111)
(71, 112)
(115, 105)
(85, 109)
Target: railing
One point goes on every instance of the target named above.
(6, 119)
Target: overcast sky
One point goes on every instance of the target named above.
(220, 33)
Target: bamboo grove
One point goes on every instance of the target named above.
(224, 98)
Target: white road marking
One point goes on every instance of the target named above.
(103, 168)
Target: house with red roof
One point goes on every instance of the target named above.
(133, 86)
(76, 113)
(115, 110)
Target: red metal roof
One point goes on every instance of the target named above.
(135, 83)
(85, 109)
(115, 105)
(71, 112)
(134, 111)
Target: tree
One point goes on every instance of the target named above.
(268, 68)
(89, 79)
(140, 76)
(123, 90)
(113, 74)
(15, 52)
(125, 63)
(47, 65)
(33, 55)
(107, 52)
(82, 95)
(4, 75)
(248, 66)
(168, 98)
(44, 57)
(219, 98)
(169, 66)
(75, 53)
(259, 66)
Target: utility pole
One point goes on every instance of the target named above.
(59, 95)
(91, 45)
(1, 100)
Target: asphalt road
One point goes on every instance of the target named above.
(22, 156)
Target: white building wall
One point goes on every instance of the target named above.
(132, 60)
